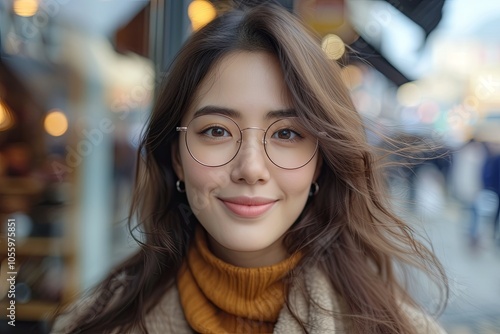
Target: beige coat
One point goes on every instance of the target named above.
(167, 316)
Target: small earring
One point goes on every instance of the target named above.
(314, 189)
(181, 187)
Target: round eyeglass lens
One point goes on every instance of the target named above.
(213, 140)
(289, 145)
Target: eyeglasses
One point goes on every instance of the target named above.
(215, 140)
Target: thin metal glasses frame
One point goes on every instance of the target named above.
(240, 140)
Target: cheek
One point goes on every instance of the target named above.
(295, 183)
(201, 177)
(201, 181)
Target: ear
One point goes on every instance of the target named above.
(176, 160)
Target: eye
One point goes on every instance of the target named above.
(216, 132)
(286, 134)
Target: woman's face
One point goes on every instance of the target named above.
(251, 86)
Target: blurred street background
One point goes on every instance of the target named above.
(77, 81)
(472, 264)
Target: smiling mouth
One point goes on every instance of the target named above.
(247, 207)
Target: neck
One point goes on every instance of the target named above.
(262, 258)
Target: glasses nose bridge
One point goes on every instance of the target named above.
(263, 140)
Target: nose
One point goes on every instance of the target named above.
(251, 164)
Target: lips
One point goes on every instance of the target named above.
(248, 207)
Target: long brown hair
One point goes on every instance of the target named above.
(347, 229)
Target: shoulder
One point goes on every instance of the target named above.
(87, 307)
(321, 291)
(423, 322)
(321, 307)
(167, 316)
(65, 321)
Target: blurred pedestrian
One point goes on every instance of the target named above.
(491, 182)
(467, 183)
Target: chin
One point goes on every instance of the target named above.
(246, 241)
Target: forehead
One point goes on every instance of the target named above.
(250, 83)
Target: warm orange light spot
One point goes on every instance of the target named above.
(25, 7)
(6, 118)
(200, 13)
(56, 123)
(352, 76)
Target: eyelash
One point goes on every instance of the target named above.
(291, 129)
(214, 126)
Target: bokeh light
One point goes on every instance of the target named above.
(6, 118)
(471, 102)
(56, 123)
(409, 95)
(352, 76)
(200, 13)
(333, 46)
(428, 112)
(25, 8)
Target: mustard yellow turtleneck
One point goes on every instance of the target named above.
(218, 297)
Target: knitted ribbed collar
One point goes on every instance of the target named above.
(218, 297)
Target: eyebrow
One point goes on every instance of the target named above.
(273, 114)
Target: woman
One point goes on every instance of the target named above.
(258, 197)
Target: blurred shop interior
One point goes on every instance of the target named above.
(77, 81)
